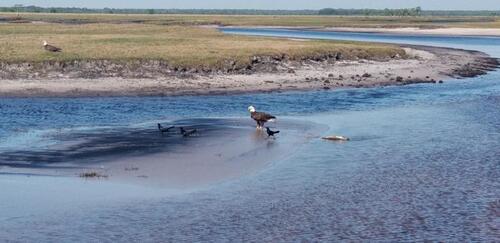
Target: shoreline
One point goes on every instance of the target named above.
(423, 64)
(440, 31)
(462, 32)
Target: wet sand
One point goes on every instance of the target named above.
(222, 149)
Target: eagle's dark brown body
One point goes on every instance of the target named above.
(51, 48)
(261, 118)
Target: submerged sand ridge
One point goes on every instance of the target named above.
(422, 65)
(223, 149)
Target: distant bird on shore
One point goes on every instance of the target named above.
(187, 133)
(260, 117)
(164, 129)
(270, 133)
(51, 48)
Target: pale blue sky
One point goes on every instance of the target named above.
(265, 4)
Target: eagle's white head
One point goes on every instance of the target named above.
(251, 109)
(45, 43)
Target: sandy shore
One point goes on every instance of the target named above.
(222, 149)
(424, 65)
(419, 31)
(493, 32)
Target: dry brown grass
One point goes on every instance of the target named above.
(185, 46)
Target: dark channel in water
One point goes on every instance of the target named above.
(100, 144)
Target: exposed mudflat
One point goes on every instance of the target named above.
(220, 149)
(422, 65)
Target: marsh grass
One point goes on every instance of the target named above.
(182, 46)
(265, 20)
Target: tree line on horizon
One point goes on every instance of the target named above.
(417, 11)
(373, 12)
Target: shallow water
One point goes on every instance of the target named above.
(423, 164)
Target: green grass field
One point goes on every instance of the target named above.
(178, 39)
(183, 46)
(248, 20)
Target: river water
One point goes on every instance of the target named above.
(423, 164)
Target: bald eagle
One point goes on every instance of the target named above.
(51, 48)
(260, 117)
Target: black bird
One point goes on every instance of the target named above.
(164, 129)
(271, 133)
(188, 132)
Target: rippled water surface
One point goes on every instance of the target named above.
(423, 164)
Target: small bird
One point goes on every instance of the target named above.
(187, 133)
(271, 133)
(51, 48)
(260, 117)
(164, 129)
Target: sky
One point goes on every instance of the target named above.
(266, 4)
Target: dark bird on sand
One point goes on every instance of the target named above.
(260, 117)
(51, 48)
(187, 133)
(164, 129)
(270, 133)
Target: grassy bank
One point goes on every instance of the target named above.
(185, 46)
(248, 20)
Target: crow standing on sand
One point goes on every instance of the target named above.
(164, 129)
(187, 133)
(260, 117)
(51, 48)
(271, 133)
